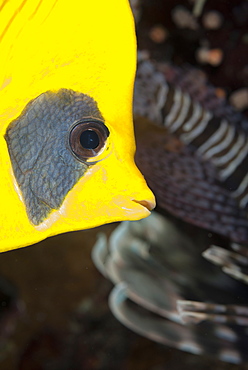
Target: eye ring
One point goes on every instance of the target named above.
(87, 138)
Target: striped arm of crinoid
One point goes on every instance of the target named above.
(209, 338)
(212, 137)
(166, 291)
(196, 312)
(233, 262)
(185, 185)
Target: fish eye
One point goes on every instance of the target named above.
(87, 138)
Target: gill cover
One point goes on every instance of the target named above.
(66, 132)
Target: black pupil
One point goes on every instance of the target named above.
(89, 139)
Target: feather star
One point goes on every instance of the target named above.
(169, 286)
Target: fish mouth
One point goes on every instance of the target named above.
(149, 204)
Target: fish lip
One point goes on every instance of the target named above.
(149, 204)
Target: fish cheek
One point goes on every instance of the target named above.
(45, 185)
(43, 165)
(48, 184)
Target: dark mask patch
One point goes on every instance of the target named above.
(43, 165)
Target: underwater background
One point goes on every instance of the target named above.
(54, 308)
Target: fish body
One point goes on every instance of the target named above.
(59, 77)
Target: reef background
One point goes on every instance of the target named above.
(56, 316)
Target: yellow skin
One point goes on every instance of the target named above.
(89, 47)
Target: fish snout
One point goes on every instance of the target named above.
(150, 204)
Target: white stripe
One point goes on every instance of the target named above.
(196, 115)
(242, 186)
(162, 96)
(234, 164)
(161, 99)
(224, 145)
(217, 136)
(179, 121)
(232, 153)
(175, 108)
(188, 137)
(244, 201)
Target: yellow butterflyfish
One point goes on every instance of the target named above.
(66, 134)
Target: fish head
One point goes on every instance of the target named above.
(67, 73)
